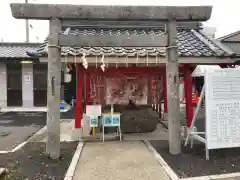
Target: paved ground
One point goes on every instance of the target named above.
(129, 160)
(68, 115)
(67, 132)
(17, 127)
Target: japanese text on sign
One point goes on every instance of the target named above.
(223, 108)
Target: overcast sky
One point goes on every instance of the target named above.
(225, 16)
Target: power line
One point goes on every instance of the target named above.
(27, 25)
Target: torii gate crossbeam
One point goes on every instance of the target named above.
(56, 13)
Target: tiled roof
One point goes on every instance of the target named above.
(224, 38)
(16, 50)
(191, 43)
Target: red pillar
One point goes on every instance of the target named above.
(104, 90)
(80, 86)
(87, 90)
(160, 91)
(165, 92)
(188, 95)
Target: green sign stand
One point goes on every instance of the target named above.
(93, 121)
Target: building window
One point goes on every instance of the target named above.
(14, 84)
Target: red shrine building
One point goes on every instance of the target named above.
(114, 75)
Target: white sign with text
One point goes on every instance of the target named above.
(222, 108)
(94, 110)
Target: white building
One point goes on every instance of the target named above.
(23, 82)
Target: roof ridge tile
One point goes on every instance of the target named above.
(190, 43)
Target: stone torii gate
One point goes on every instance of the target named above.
(57, 14)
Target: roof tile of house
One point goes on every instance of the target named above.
(233, 43)
(16, 50)
(234, 46)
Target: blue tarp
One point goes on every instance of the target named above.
(62, 105)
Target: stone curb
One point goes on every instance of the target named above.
(165, 166)
(71, 169)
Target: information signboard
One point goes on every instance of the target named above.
(111, 120)
(222, 97)
(107, 120)
(93, 110)
(116, 119)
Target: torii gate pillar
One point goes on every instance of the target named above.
(172, 78)
(53, 92)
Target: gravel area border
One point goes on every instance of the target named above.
(192, 162)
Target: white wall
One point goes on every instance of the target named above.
(3, 85)
(209, 31)
(27, 85)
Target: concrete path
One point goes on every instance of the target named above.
(67, 132)
(127, 160)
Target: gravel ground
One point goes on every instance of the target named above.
(192, 162)
(30, 163)
(128, 160)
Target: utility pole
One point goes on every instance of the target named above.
(27, 26)
(172, 78)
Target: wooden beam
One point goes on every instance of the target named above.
(53, 94)
(172, 69)
(128, 70)
(100, 12)
(113, 41)
(129, 24)
(142, 61)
